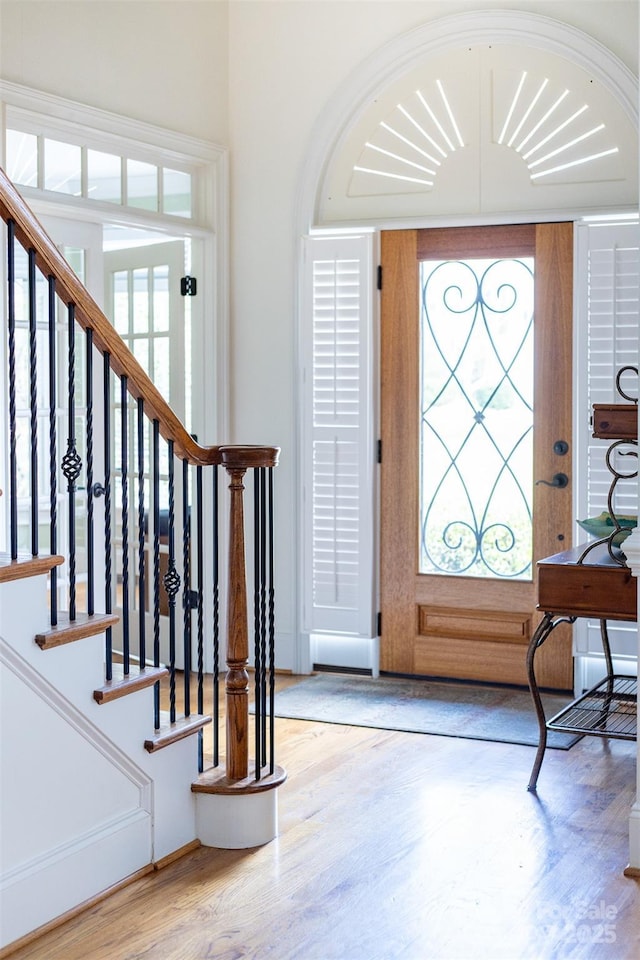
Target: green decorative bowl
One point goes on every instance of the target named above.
(603, 526)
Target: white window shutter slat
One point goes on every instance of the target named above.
(337, 445)
(612, 300)
(608, 302)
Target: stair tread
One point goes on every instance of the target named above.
(68, 631)
(26, 566)
(169, 733)
(122, 684)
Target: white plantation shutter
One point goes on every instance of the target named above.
(607, 330)
(337, 442)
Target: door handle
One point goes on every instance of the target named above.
(558, 480)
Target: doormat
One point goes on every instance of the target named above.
(444, 709)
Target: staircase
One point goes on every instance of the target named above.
(110, 584)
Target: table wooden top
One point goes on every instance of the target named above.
(598, 587)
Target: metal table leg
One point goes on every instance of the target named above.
(546, 626)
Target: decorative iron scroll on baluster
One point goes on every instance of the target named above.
(71, 461)
(53, 446)
(616, 451)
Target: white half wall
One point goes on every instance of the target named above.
(76, 813)
(84, 805)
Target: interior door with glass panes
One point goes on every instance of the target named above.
(143, 301)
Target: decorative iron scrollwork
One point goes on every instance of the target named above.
(171, 581)
(477, 418)
(71, 464)
(621, 459)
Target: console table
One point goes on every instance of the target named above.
(597, 586)
(593, 581)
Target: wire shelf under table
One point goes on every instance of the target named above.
(607, 710)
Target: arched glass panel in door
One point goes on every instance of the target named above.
(476, 423)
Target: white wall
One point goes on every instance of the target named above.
(256, 75)
(277, 91)
(161, 61)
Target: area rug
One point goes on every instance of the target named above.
(469, 711)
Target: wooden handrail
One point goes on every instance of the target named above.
(236, 459)
(243, 457)
(30, 232)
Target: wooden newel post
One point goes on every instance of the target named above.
(236, 461)
(220, 820)
(237, 682)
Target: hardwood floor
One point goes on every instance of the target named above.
(395, 845)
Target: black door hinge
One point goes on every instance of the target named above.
(379, 452)
(379, 279)
(188, 286)
(379, 624)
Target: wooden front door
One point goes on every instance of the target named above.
(450, 604)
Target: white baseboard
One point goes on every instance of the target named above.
(634, 836)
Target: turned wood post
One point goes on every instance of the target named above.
(237, 460)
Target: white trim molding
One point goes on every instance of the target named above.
(632, 553)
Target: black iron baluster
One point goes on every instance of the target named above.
(53, 450)
(216, 621)
(90, 492)
(13, 469)
(33, 400)
(124, 493)
(257, 655)
(71, 462)
(108, 548)
(272, 645)
(263, 608)
(156, 568)
(200, 623)
(186, 588)
(142, 589)
(171, 582)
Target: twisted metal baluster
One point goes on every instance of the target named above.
(13, 469)
(71, 462)
(257, 654)
(272, 645)
(263, 609)
(53, 451)
(200, 621)
(33, 400)
(90, 492)
(124, 493)
(156, 568)
(141, 540)
(108, 578)
(216, 622)
(171, 582)
(186, 591)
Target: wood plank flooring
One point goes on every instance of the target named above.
(395, 845)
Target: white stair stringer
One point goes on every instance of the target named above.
(84, 805)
